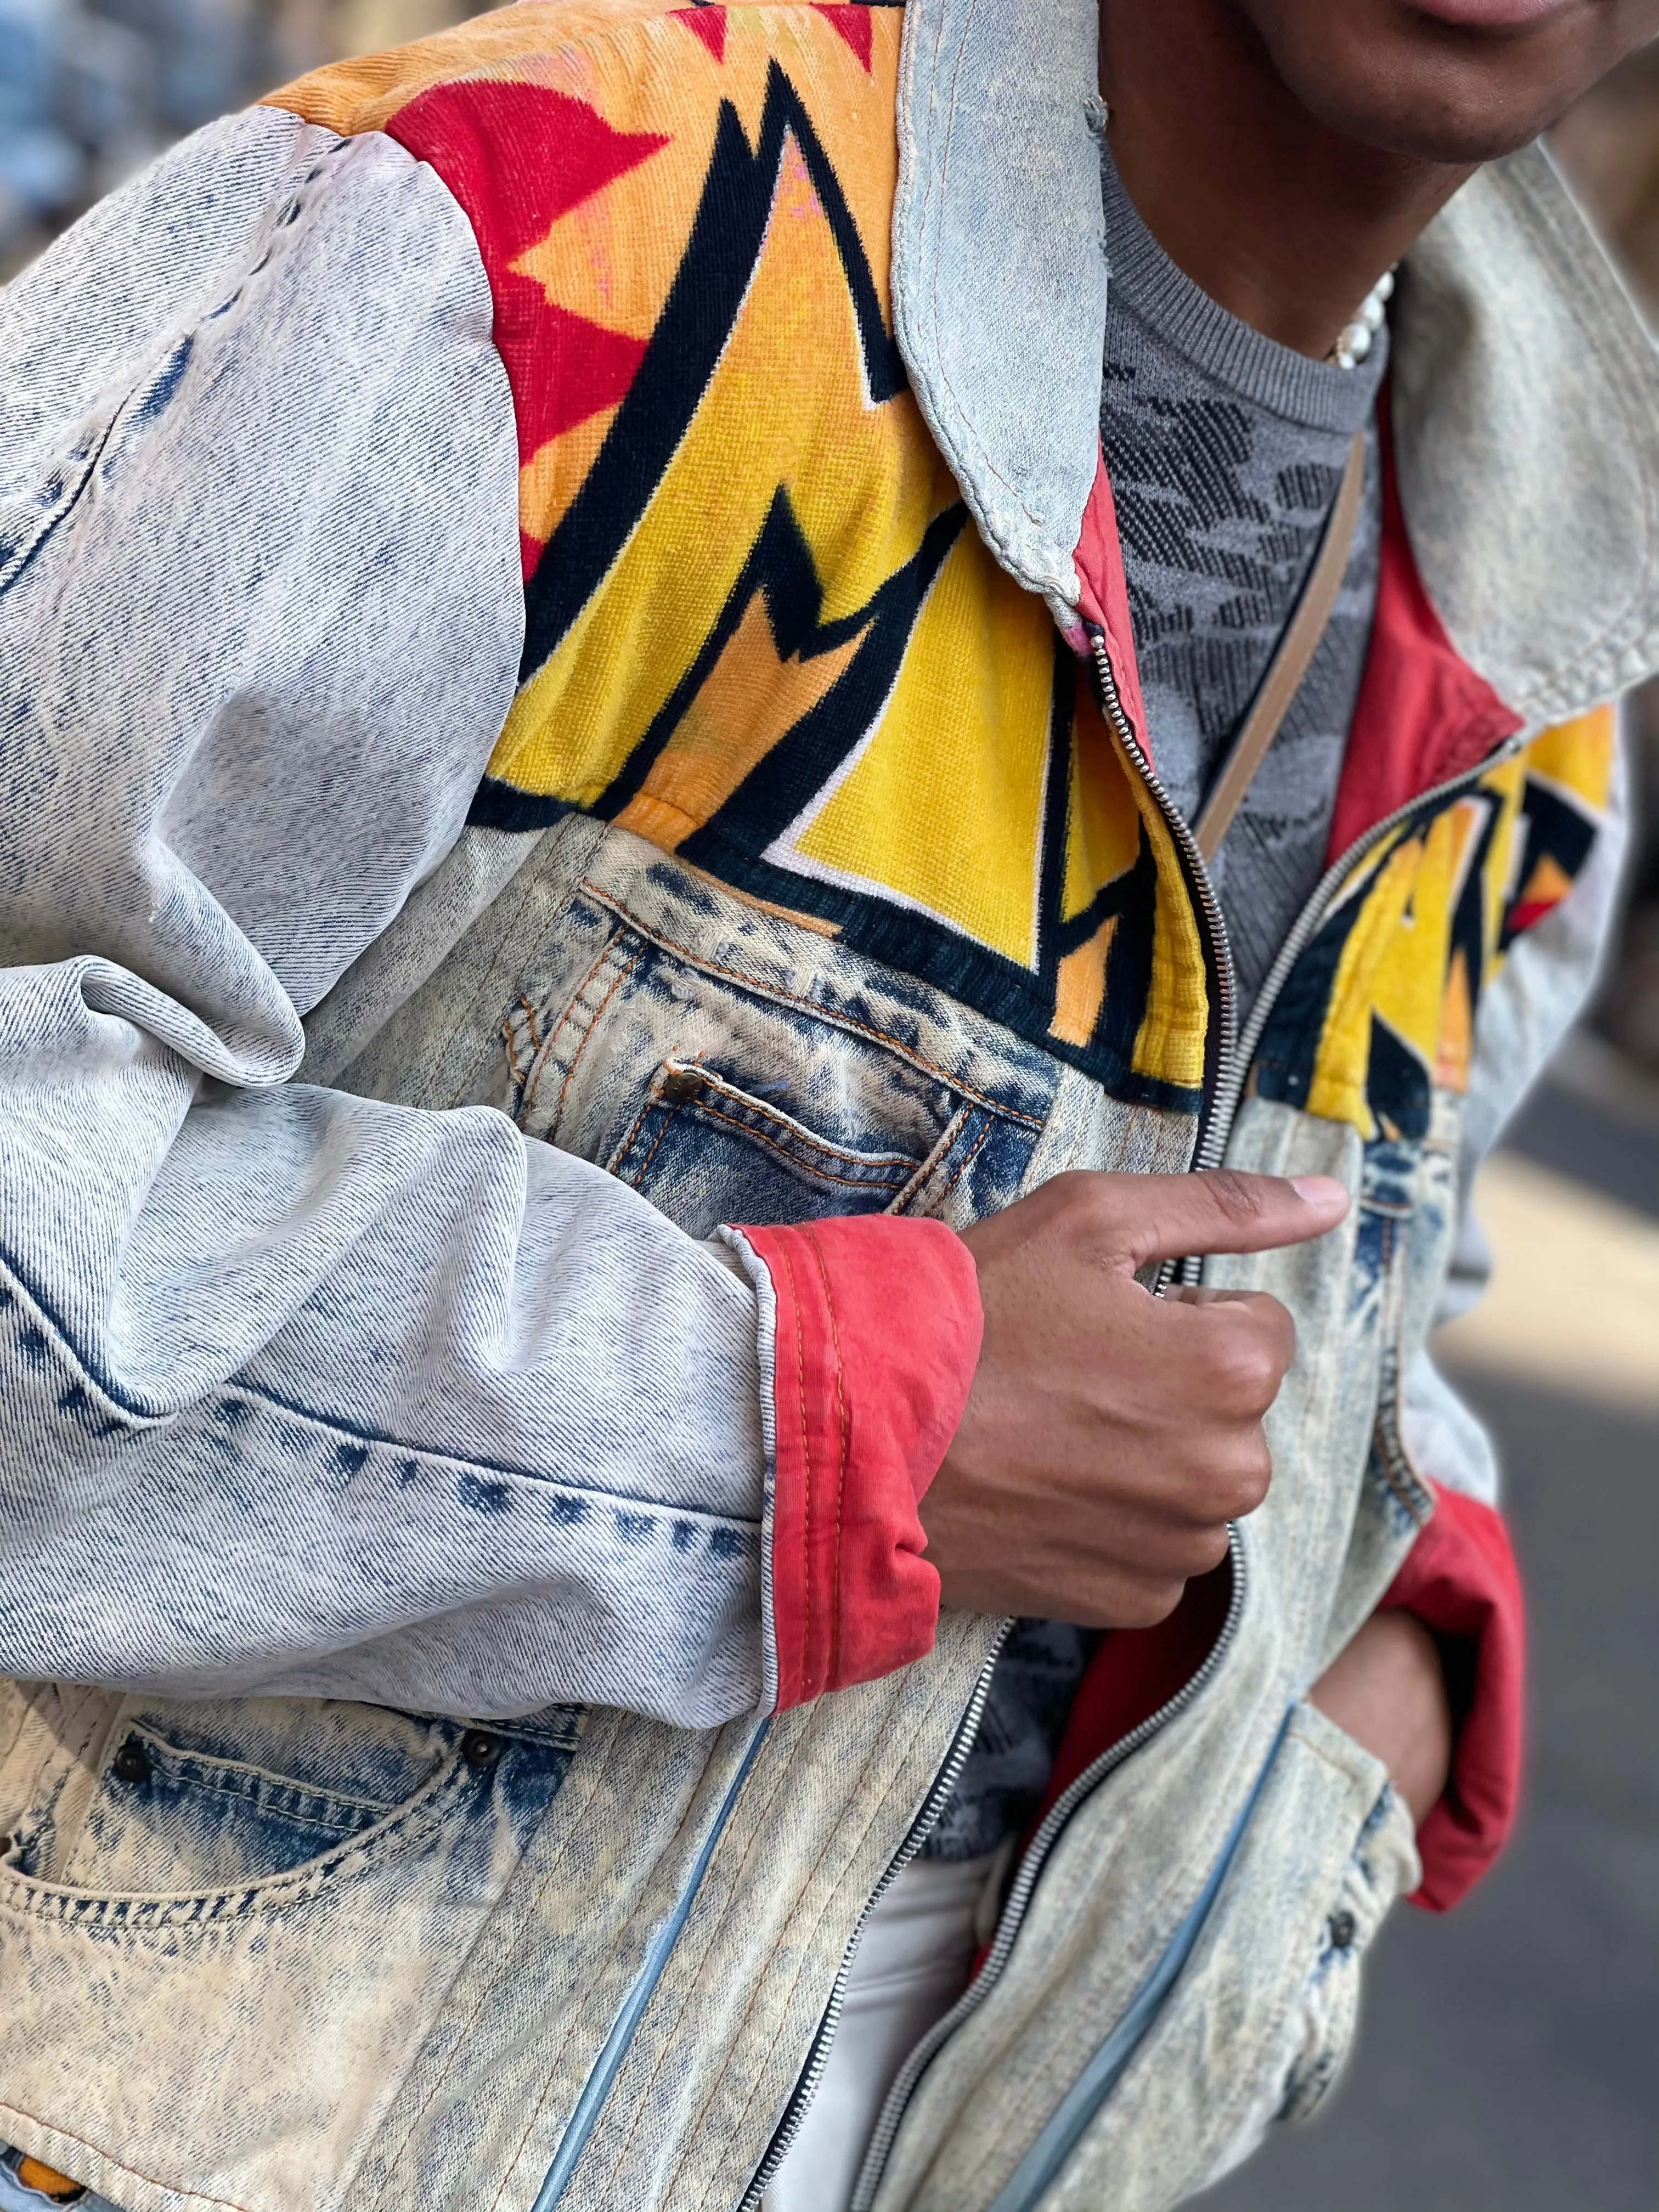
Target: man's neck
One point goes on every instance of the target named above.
(1284, 221)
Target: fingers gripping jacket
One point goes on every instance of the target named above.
(878, 1335)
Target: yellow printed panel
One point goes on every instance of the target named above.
(1103, 824)
(1579, 756)
(1422, 930)
(965, 734)
(786, 408)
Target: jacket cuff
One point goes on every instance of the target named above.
(1461, 1581)
(876, 1338)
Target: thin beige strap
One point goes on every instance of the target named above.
(1290, 662)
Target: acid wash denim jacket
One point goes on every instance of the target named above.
(565, 683)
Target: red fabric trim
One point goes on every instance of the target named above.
(708, 24)
(1460, 1579)
(1134, 1672)
(852, 22)
(517, 157)
(1423, 713)
(1103, 595)
(878, 1328)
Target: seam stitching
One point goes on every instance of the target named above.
(876, 1182)
(540, 2105)
(191, 2196)
(509, 936)
(560, 1026)
(963, 1166)
(670, 2040)
(801, 1968)
(593, 1021)
(808, 1576)
(644, 1169)
(829, 1015)
(833, 1665)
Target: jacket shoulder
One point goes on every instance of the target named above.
(616, 54)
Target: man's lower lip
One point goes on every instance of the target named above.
(1489, 15)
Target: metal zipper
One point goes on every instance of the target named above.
(920, 1829)
(1226, 1007)
(1024, 1883)
(1236, 1052)
(1208, 1149)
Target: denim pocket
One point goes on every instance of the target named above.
(700, 1141)
(1387, 1231)
(263, 1919)
(721, 1094)
(1327, 2010)
(197, 1797)
(697, 1137)
(1261, 2020)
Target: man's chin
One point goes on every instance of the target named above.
(1452, 81)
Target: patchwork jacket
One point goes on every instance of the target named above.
(566, 683)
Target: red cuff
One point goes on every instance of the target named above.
(1460, 1580)
(878, 1328)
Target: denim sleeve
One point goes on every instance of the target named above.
(300, 1391)
(1525, 1012)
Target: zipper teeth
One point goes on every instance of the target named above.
(920, 1829)
(1210, 905)
(1211, 1134)
(1238, 1051)
(1024, 1883)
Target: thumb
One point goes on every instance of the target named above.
(1223, 1210)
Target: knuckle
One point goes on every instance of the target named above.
(1084, 1202)
(1251, 1481)
(1238, 1196)
(1278, 1317)
(1210, 1548)
(1079, 1187)
(1245, 1372)
(1148, 1603)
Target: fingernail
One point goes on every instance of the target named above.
(1322, 1191)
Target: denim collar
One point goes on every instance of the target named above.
(1525, 389)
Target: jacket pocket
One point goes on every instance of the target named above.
(194, 1798)
(1326, 2011)
(1261, 2015)
(724, 1096)
(256, 1928)
(697, 1136)
(700, 1141)
(1311, 2039)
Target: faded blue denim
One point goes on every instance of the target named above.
(376, 1386)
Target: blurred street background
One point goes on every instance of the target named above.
(1508, 2055)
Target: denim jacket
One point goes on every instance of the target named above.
(567, 684)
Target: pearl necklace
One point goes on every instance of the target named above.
(1354, 341)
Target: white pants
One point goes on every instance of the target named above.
(912, 1964)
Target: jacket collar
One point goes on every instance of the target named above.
(1526, 392)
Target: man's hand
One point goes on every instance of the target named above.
(1387, 1689)
(1111, 1436)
